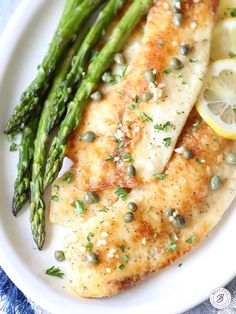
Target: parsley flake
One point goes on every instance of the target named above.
(54, 271)
(171, 246)
(128, 158)
(167, 141)
(13, 147)
(162, 127)
(160, 176)
(191, 239)
(145, 117)
(68, 177)
(122, 193)
(122, 247)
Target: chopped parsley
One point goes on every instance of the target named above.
(196, 125)
(133, 106)
(191, 239)
(167, 70)
(68, 178)
(193, 60)
(167, 141)
(122, 193)
(109, 158)
(122, 247)
(54, 271)
(233, 12)
(122, 266)
(79, 206)
(162, 127)
(104, 210)
(56, 187)
(198, 160)
(125, 259)
(216, 139)
(160, 176)
(128, 158)
(120, 145)
(13, 147)
(171, 246)
(145, 117)
(89, 245)
(232, 54)
(55, 198)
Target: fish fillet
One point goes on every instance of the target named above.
(149, 238)
(120, 129)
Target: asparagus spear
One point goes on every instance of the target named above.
(63, 95)
(72, 20)
(89, 84)
(41, 141)
(26, 148)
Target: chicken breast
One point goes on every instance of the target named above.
(139, 121)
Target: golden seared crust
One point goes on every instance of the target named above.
(147, 241)
(122, 129)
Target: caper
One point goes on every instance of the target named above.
(176, 6)
(231, 158)
(59, 255)
(132, 206)
(160, 42)
(131, 171)
(187, 153)
(169, 212)
(215, 183)
(119, 59)
(91, 197)
(89, 137)
(176, 64)
(97, 96)
(185, 49)
(128, 217)
(92, 258)
(179, 221)
(146, 96)
(149, 76)
(177, 19)
(107, 77)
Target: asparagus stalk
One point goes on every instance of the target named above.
(26, 148)
(40, 147)
(89, 84)
(63, 95)
(73, 18)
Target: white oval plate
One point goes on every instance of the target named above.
(172, 291)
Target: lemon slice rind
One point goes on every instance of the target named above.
(214, 121)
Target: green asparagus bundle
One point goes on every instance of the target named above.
(26, 149)
(54, 108)
(75, 15)
(66, 91)
(40, 147)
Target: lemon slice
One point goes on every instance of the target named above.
(224, 40)
(227, 8)
(217, 100)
